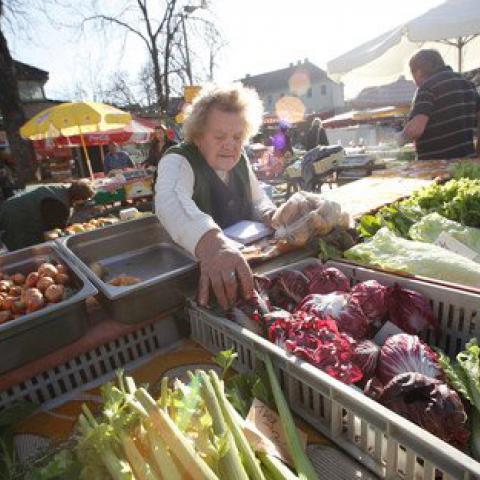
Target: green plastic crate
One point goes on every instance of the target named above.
(103, 197)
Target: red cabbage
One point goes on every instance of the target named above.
(372, 297)
(319, 342)
(329, 280)
(312, 270)
(262, 283)
(429, 403)
(374, 388)
(341, 308)
(403, 353)
(410, 310)
(289, 286)
(250, 313)
(365, 355)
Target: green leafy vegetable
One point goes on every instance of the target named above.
(430, 227)
(464, 376)
(466, 169)
(225, 359)
(393, 253)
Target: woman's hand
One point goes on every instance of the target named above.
(224, 268)
(267, 216)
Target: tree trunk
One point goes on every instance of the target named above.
(157, 77)
(14, 116)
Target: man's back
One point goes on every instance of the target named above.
(451, 102)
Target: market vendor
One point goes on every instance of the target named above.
(25, 218)
(206, 184)
(445, 110)
(116, 159)
(160, 144)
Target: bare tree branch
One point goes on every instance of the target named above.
(106, 18)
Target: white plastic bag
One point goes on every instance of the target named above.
(306, 215)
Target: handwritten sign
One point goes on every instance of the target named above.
(445, 240)
(264, 432)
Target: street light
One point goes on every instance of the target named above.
(187, 9)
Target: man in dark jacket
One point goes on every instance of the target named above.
(316, 135)
(445, 110)
(25, 218)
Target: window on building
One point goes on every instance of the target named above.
(30, 90)
(309, 92)
(323, 89)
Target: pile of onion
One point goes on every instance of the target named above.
(21, 294)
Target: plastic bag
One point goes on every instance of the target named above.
(306, 215)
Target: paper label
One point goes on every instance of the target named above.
(445, 240)
(264, 432)
(386, 331)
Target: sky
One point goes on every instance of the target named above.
(260, 36)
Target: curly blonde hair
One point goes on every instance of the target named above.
(234, 98)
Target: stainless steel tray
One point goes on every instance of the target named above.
(38, 333)
(141, 248)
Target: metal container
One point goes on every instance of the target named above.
(139, 248)
(36, 334)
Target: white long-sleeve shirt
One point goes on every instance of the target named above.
(177, 211)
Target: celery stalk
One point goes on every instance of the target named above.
(252, 465)
(230, 464)
(164, 393)
(302, 463)
(142, 469)
(160, 454)
(275, 468)
(174, 438)
(118, 468)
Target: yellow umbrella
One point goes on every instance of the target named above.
(76, 118)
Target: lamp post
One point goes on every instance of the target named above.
(187, 9)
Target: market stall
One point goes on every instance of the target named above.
(345, 339)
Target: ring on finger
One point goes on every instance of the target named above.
(231, 275)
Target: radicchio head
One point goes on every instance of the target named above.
(403, 353)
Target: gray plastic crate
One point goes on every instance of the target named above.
(388, 444)
(36, 334)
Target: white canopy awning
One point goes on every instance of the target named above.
(453, 28)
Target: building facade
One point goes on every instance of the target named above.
(310, 84)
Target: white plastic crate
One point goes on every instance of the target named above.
(386, 443)
(95, 366)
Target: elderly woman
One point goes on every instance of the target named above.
(206, 184)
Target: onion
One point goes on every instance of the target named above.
(32, 279)
(15, 291)
(54, 293)
(34, 299)
(18, 279)
(8, 302)
(45, 282)
(62, 279)
(47, 270)
(5, 285)
(19, 307)
(61, 268)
